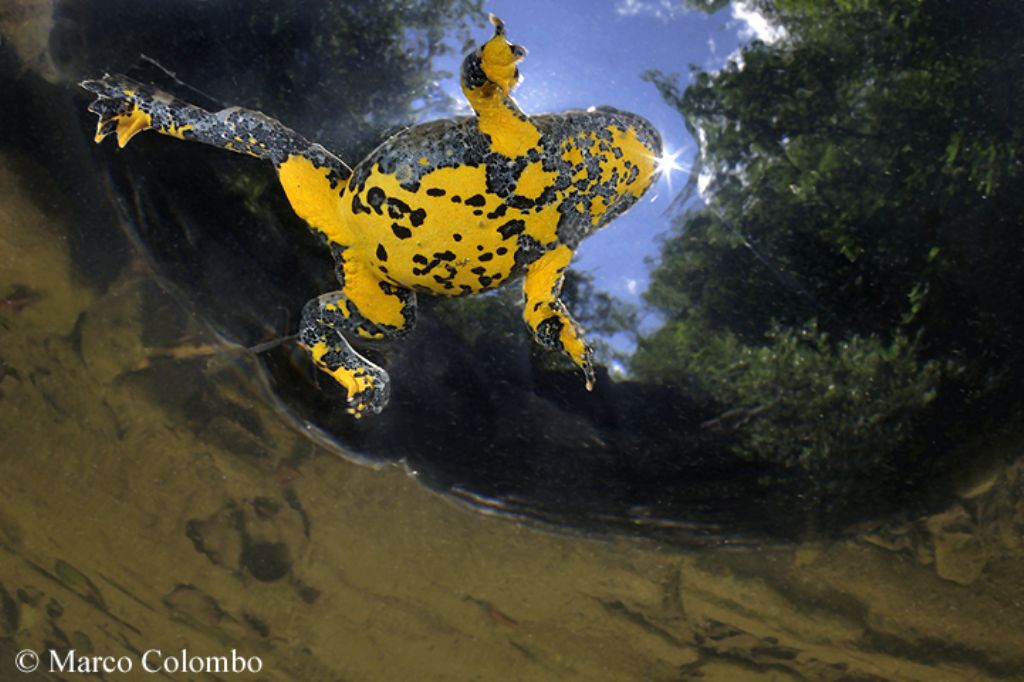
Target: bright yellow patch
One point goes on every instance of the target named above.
(510, 135)
(542, 282)
(129, 125)
(575, 156)
(598, 206)
(535, 180)
(311, 196)
(543, 226)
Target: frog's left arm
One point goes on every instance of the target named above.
(311, 176)
(547, 316)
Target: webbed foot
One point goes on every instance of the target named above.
(368, 386)
(118, 108)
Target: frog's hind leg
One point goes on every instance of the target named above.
(365, 306)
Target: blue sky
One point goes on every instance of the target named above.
(583, 53)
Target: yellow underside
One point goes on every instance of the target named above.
(312, 197)
(444, 219)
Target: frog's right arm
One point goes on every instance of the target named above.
(312, 177)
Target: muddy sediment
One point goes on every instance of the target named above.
(131, 521)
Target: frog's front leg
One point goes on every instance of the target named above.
(365, 306)
(546, 315)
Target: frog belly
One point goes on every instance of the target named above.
(448, 236)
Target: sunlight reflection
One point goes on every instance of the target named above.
(668, 163)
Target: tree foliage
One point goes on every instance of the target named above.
(860, 250)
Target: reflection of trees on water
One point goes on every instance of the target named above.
(850, 293)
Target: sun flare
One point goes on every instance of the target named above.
(668, 163)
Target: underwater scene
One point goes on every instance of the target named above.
(493, 340)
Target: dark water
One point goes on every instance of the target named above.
(800, 458)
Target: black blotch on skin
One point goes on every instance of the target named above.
(419, 258)
(501, 250)
(473, 75)
(358, 206)
(486, 256)
(456, 199)
(375, 196)
(548, 332)
(527, 250)
(382, 253)
(457, 237)
(397, 208)
(479, 270)
(401, 232)
(476, 200)
(498, 212)
(478, 212)
(521, 203)
(511, 228)
(417, 217)
(435, 192)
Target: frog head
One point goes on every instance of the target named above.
(491, 70)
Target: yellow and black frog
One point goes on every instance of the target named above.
(450, 207)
